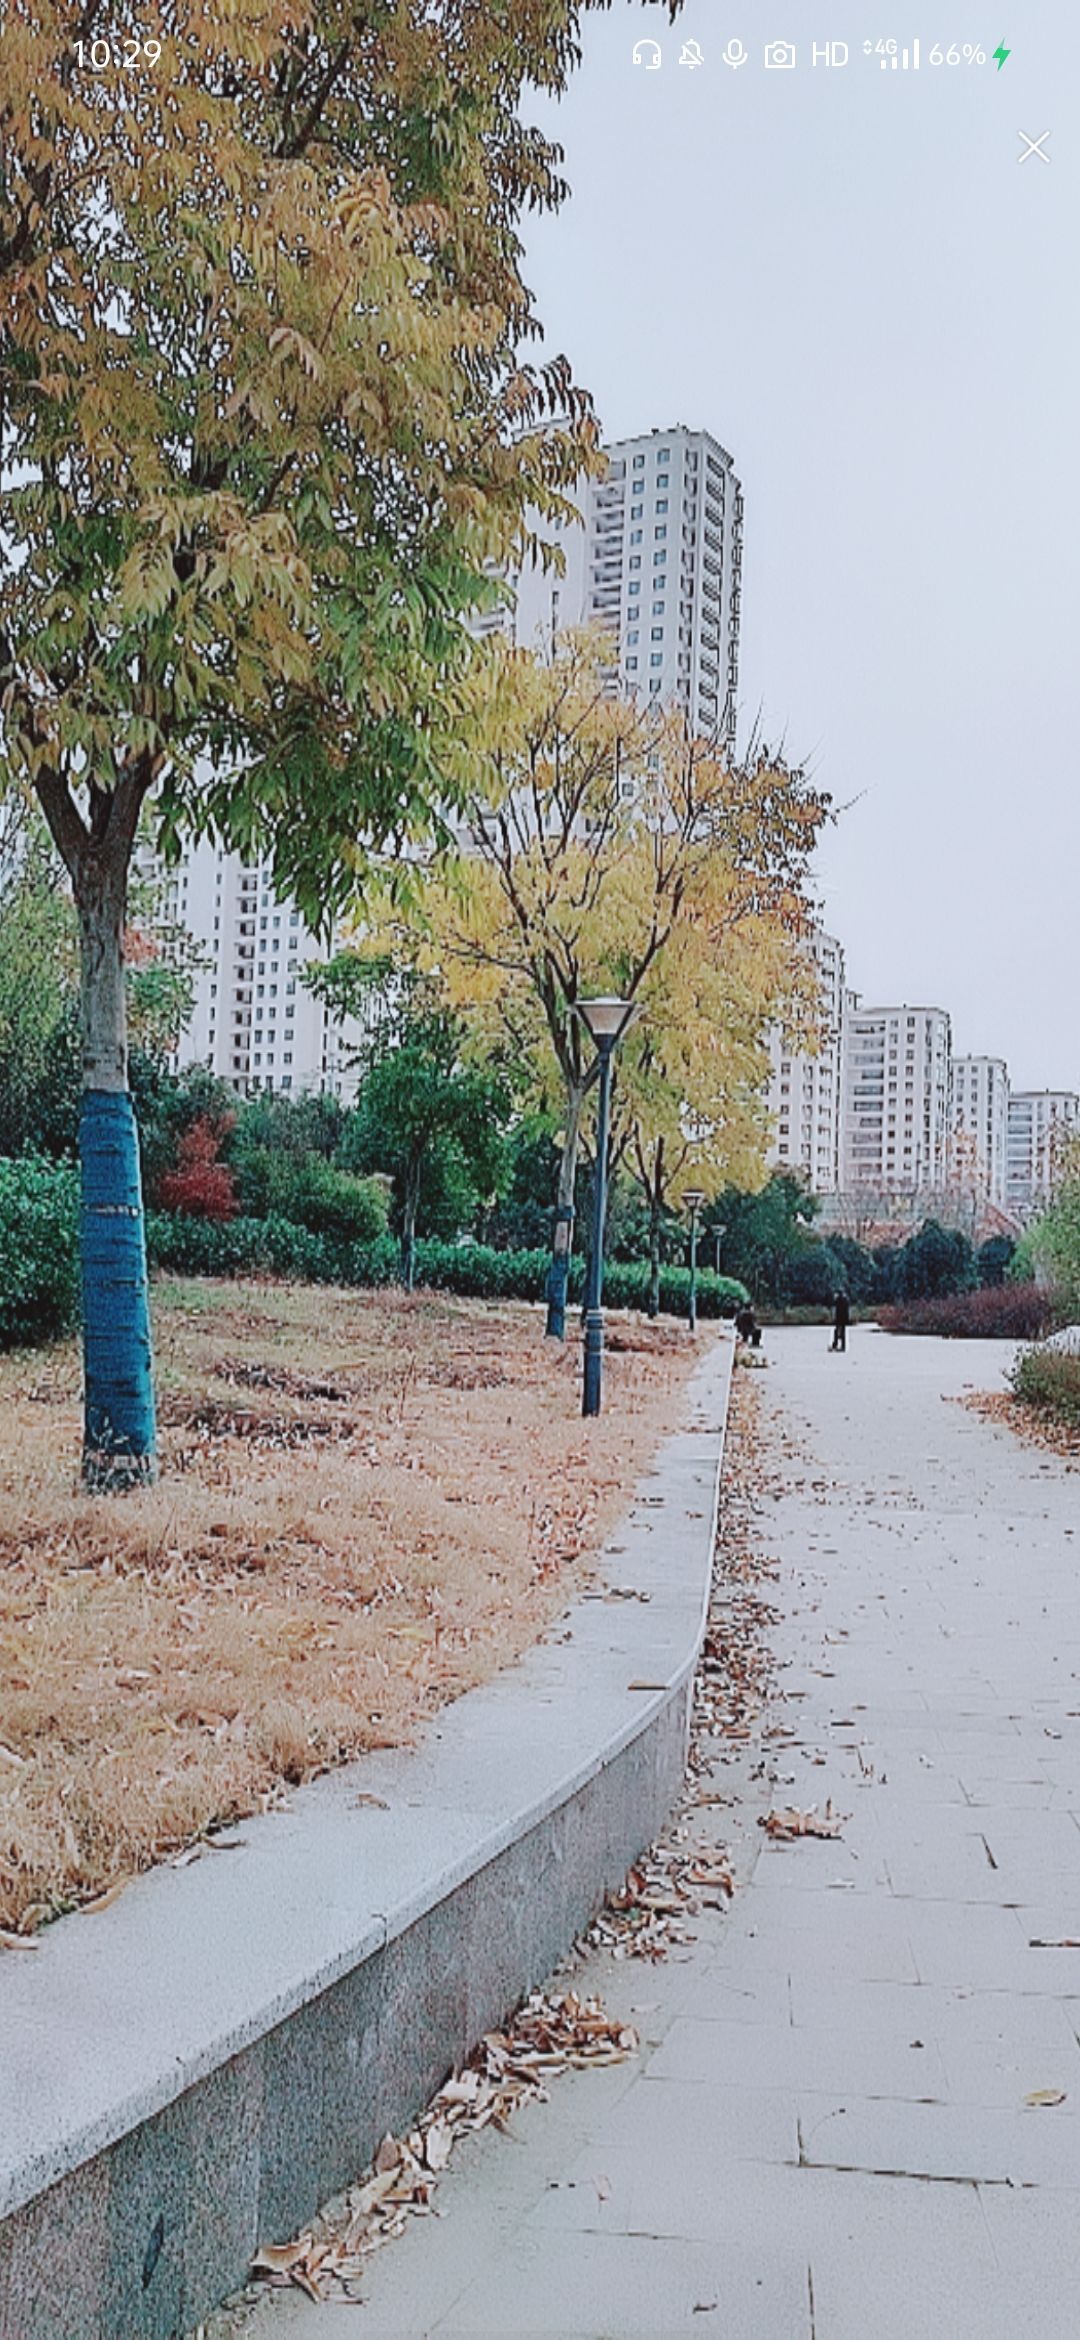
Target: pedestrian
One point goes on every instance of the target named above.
(746, 1327)
(841, 1319)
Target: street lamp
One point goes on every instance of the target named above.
(693, 1198)
(606, 1021)
(718, 1234)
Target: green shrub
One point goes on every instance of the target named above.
(626, 1285)
(311, 1192)
(39, 1249)
(276, 1246)
(1049, 1380)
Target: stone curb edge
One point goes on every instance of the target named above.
(196, 2069)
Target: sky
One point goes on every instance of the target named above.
(848, 276)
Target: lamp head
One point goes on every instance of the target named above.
(693, 1197)
(606, 1019)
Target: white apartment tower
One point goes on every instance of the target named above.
(1038, 1120)
(897, 1089)
(806, 1091)
(980, 1123)
(657, 561)
(254, 1022)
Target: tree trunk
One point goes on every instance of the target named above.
(562, 1242)
(654, 1255)
(656, 1221)
(119, 1429)
(410, 1207)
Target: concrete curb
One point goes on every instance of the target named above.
(195, 2069)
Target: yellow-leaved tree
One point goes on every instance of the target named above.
(610, 851)
(268, 436)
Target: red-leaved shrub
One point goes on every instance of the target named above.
(999, 1312)
(201, 1185)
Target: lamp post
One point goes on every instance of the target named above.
(606, 1021)
(718, 1234)
(693, 1199)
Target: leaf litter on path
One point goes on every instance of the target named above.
(557, 2030)
(549, 2035)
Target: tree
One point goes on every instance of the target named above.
(269, 433)
(425, 1114)
(935, 1260)
(598, 830)
(1055, 1237)
(689, 1109)
(202, 1185)
(764, 1231)
(994, 1258)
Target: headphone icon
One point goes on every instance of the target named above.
(647, 53)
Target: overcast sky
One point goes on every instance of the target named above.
(851, 281)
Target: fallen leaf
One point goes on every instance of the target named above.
(280, 2258)
(438, 2144)
(1047, 2096)
(18, 1941)
(788, 1824)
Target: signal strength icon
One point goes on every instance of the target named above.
(908, 60)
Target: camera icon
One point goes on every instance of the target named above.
(780, 53)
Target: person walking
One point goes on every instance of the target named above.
(841, 1319)
(748, 1328)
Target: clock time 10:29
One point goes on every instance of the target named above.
(106, 56)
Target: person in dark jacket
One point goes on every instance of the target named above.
(841, 1319)
(747, 1328)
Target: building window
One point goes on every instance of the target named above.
(635, 563)
(636, 511)
(631, 665)
(661, 501)
(661, 531)
(639, 463)
(635, 536)
(656, 633)
(633, 638)
(658, 609)
(657, 658)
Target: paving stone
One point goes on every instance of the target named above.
(947, 1667)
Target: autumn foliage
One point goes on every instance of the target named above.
(201, 1185)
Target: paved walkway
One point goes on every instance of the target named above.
(826, 2137)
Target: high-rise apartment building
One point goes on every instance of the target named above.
(897, 1084)
(254, 1022)
(657, 561)
(1038, 1120)
(980, 1125)
(806, 1091)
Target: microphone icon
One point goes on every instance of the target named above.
(735, 55)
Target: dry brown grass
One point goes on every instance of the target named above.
(367, 1504)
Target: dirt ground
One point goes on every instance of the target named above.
(367, 1504)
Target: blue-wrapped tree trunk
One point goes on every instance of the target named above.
(118, 1405)
(118, 1442)
(563, 1233)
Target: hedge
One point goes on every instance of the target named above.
(39, 1250)
(1049, 1381)
(1006, 1312)
(276, 1246)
